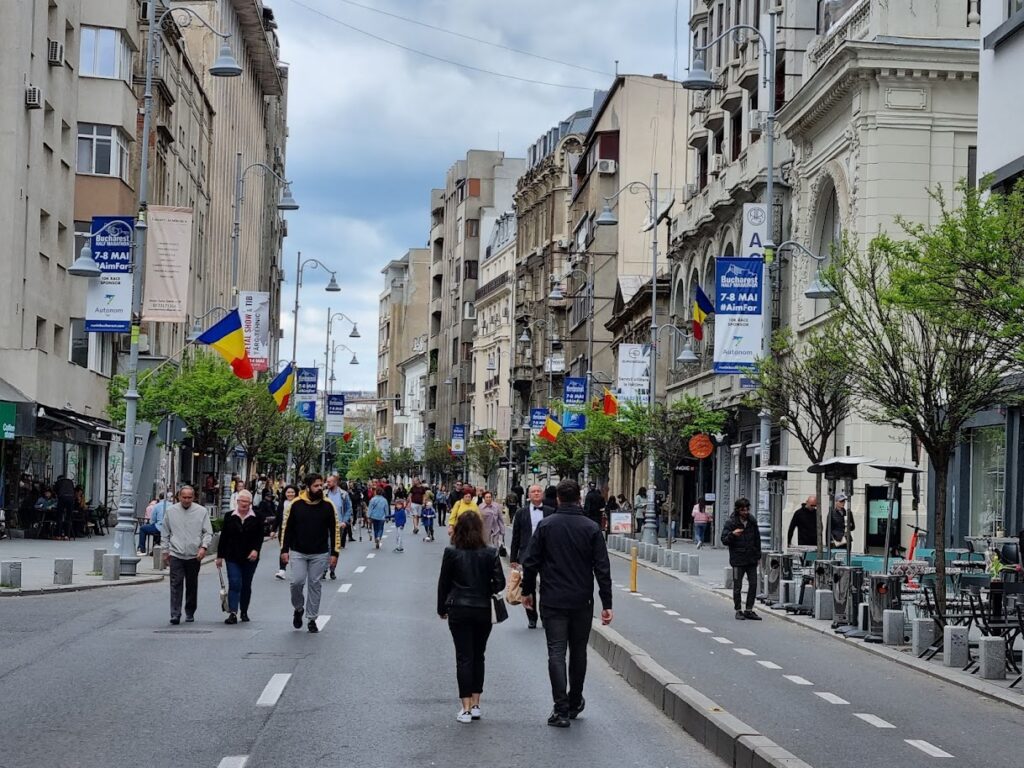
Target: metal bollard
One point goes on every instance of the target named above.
(97, 560)
(633, 568)
(62, 570)
(10, 574)
(111, 567)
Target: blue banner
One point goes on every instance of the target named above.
(306, 409)
(537, 418)
(306, 381)
(335, 421)
(739, 293)
(458, 439)
(108, 304)
(574, 422)
(575, 390)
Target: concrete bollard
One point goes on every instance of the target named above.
(677, 558)
(693, 565)
(992, 658)
(111, 567)
(922, 634)
(683, 564)
(663, 554)
(158, 558)
(10, 574)
(824, 605)
(652, 553)
(892, 627)
(727, 574)
(62, 570)
(954, 646)
(97, 560)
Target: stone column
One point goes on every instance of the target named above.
(62, 570)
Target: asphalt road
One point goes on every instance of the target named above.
(828, 703)
(100, 679)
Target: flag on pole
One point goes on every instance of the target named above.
(282, 386)
(347, 436)
(611, 403)
(702, 307)
(550, 430)
(227, 338)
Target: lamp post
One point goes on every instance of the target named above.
(698, 79)
(224, 66)
(329, 389)
(197, 322)
(524, 338)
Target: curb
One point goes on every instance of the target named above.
(969, 683)
(729, 738)
(55, 589)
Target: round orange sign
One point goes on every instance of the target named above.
(701, 446)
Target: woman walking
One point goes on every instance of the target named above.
(700, 523)
(466, 504)
(494, 521)
(240, 541)
(378, 513)
(470, 574)
(290, 493)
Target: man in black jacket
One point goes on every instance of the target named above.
(593, 503)
(741, 536)
(805, 523)
(311, 531)
(569, 552)
(524, 524)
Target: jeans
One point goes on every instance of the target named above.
(698, 532)
(184, 573)
(567, 629)
(738, 572)
(428, 527)
(307, 570)
(378, 528)
(65, 507)
(470, 628)
(240, 584)
(148, 530)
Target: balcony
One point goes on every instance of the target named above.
(491, 286)
(715, 120)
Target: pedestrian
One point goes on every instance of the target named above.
(266, 510)
(593, 503)
(416, 495)
(470, 574)
(441, 505)
(187, 532)
(525, 522)
(400, 520)
(841, 523)
(551, 496)
(342, 508)
(741, 536)
(241, 540)
(290, 494)
(454, 496)
(517, 491)
(427, 515)
(701, 518)
(378, 513)
(568, 552)
(64, 490)
(494, 521)
(805, 523)
(237, 486)
(153, 527)
(310, 543)
(467, 504)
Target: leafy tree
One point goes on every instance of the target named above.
(598, 442)
(920, 365)
(258, 425)
(484, 455)
(155, 395)
(630, 438)
(806, 389)
(304, 437)
(564, 455)
(438, 460)
(366, 466)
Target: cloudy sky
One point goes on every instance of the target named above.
(374, 126)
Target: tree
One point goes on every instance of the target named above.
(258, 425)
(438, 460)
(367, 465)
(564, 455)
(807, 390)
(484, 455)
(598, 441)
(155, 395)
(630, 438)
(304, 437)
(920, 365)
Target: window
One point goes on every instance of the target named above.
(735, 134)
(972, 163)
(105, 53)
(459, 232)
(1014, 6)
(472, 227)
(102, 150)
(79, 352)
(469, 271)
(829, 235)
(988, 478)
(41, 334)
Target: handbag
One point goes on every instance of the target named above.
(502, 552)
(499, 612)
(514, 593)
(223, 591)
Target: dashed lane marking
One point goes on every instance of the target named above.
(657, 605)
(234, 761)
(722, 640)
(688, 621)
(360, 569)
(874, 720)
(927, 748)
(831, 698)
(671, 613)
(647, 599)
(744, 652)
(273, 690)
(371, 555)
(704, 630)
(321, 621)
(798, 680)
(769, 665)
(344, 588)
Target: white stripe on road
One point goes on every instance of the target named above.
(647, 599)
(873, 720)
(671, 613)
(722, 640)
(688, 621)
(235, 761)
(744, 652)
(273, 690)
(344, 588)
(360, 569)
(769, 665)
(637, 594)
(798, 680)
(927, 748)
(657, 605)
(705, 630)
(370, 556)
(831, 698)
(321, 621)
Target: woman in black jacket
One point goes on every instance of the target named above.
(470, 574)
(241, 539)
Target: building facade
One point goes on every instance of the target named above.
(1000, 145)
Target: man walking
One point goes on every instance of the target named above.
(841, 523)
(342, 507)
(805, 523)
(593, 503)
(741, 536)
(310, 541)
(187, 532)
(416, 494)
(524, 523)
(569, 552)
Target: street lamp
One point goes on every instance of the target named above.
(328, 390)
(85, 265)
(224, 66)
(818, 287)
(699, 79)
(687, 355)
(197, 324)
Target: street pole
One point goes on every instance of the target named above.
(650, 531)
(236, 229)
(295, 341)
(327, 369)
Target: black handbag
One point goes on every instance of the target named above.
(499, 612)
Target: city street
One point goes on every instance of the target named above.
(99, 678)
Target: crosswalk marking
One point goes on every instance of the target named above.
(671, 613)
(657, 605)
(705, 630)
(360, 569)
(744, 652)
(798, 680)
(722, 640)
(688, 621)
(321, 621)
(927, 748)
(831, 698)
(371, 555)
(235, 761)
(769, 665)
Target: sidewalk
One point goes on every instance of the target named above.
(711, 577)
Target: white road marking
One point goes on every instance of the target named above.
(769, 665)
(873, 720)
(344, 588)
(744, 652)
(831, 698)
(671, 613)
(705, 630)
(647, 599)
(624, 589)
(235, 761)
(798, 680)
(722, 640)
(370, 556)
(637, 594)
(657, 605)
(927, 748)
(273, 690)
(360, 569)
(321, 621)
(688, 621)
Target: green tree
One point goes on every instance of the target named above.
(598, 441)
(258, 425)
(806, 389)
(438, 460)
(366, 466)
(304, 437)
(631, 438)
(484, 456)
(155, 395)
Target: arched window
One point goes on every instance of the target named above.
(828, 235)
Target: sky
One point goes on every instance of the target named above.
(373, 126)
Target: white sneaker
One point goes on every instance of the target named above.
(463, 716)
(474, 713)
(280, 575)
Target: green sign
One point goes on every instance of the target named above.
(7, 414)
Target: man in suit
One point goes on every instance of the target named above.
(523, 525)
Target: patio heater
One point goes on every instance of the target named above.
(836, 469)
(775, 565)
(847, 592)
(894, 476)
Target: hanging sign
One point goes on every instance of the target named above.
(305, 392)
(108, 301)
(168, 262)
(634, 372)
(254, 307)
(738, 314)
(575, 390)
(335, 420)
(458, 439)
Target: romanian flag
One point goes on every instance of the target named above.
(282, 386)
(347, 436)
(228, 339)
(551, 430)
(702, 307)
(611, 403)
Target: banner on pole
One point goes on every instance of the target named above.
(634, 372)
(755, 230)
(108, 301)
(168, 262)
(335, 419)
(738, 314)
(458, 439)
(574, 422)
(306, 380)
(575, 390)
(254, 307)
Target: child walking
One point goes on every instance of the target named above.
(427, 518)
(399, 523)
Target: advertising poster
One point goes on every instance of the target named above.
(335, 419)
(306, 380)
(574, 422)
(738, 318)
(537, 418)
(634, 372)
(575, 390)
(458, 439)
(621, 522)
(108, 301)
(755, 230)
(168, 261)
(254, 307)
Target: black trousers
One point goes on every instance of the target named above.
(738, 572)
(470, 628)
(567, 630)
(184, 573)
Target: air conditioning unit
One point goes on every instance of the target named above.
(565, 242)
(33, 97)
(55, 53)
(717, 164)
(607, 167)
(757, 119)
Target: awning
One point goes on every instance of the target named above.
(95, 430)
(11, 394)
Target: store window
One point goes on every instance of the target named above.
(987, 451)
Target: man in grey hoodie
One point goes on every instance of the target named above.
(187, 534)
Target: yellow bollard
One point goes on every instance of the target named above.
(632, 569)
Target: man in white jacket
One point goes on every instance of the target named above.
(187, 533)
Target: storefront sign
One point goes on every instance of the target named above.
(254, 307)
(634, 372)
(335, 420)
(168, 262)
(108, 301)
(738, 318)
(8, 413)
(458, 439)
(575, 390)
(621, 522)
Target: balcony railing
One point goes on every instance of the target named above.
(491, 286)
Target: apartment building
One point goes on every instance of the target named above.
(1000, 144)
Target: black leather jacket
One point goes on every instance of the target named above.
(468, 578)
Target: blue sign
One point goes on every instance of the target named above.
(306, 381)
(458, 439)
(739, 291)
(574, 422)
(575, 390)
(306, 409)
(109, 299)
(537, 418)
